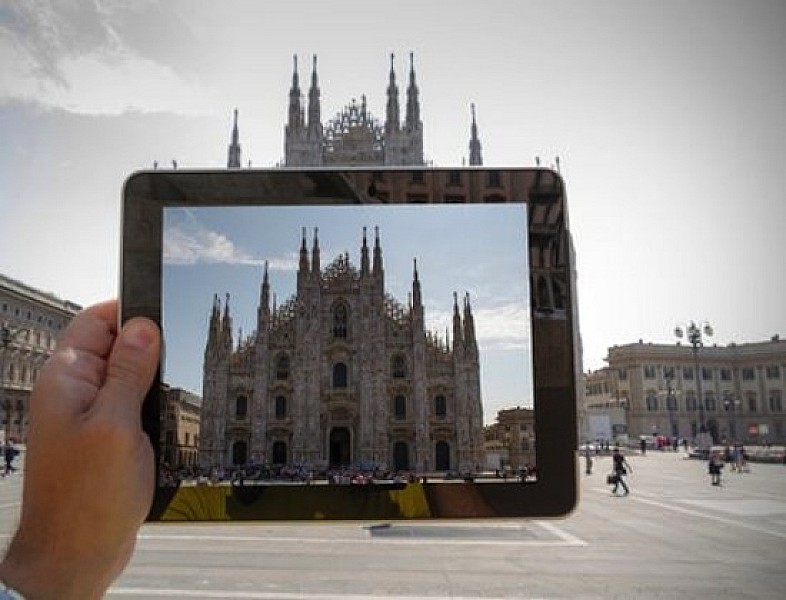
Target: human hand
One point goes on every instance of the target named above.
(89, 470)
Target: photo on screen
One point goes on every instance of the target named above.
(347, 345)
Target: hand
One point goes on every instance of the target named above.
(89, 471)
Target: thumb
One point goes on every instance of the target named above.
(132, 364)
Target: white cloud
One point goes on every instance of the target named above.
(190, 243)
(504, 327)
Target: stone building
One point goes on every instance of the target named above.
(732, 392)
(31, 321)
(342, 374)
(353, 136)
(512, 438)
(180, 427)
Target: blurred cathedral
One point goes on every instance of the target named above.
(354, 137)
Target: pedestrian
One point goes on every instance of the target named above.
(715, 466)
(9, 453)
(621, 468)
(588, 459)
(643, 446)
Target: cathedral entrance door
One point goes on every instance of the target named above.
(400, 456)
(443, 456)
(340, 446)
(279, 453)
(239, 453)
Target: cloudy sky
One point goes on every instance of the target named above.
(668, 118)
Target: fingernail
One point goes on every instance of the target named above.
(140, 333)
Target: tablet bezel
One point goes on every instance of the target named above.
(552, 309)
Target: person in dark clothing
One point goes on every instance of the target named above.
(621, 468)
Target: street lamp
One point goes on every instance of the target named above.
(671, 401)
(695, 333)
(7, 335)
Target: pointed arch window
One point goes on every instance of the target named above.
(440, 406)
(340, 320)
(400, 408)
(281, 407)
(398, 367)
(340, 375)
(241, 407)
(282, 367)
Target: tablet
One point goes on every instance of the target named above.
(356, 344)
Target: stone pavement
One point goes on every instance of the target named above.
(675, 536)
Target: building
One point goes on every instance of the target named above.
(353, 136)
(342, 374)
(31, 322)
(733, 392)
(510, 441)
(604, 417)
(180, 428)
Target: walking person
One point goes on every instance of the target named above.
(621, 468)
(588, 459)
(9, 454)
(715, 466)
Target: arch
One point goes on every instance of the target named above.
(440, 406)
(281, 407)
(279, 453)
(340, 320)
(442, 455)
(241, 407)
(400, 407)
(400, 456)
(239, 452)
(340, 447)
(398, 367)
(340, 375)
(282, 367)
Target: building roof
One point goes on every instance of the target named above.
(15, 287)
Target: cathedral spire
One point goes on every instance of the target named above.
(303, 265)
(226, 326)
(393, 114)
(314, 112)
(417, 299)
(475, 157)
(233, 153)
(364, 255)
(315, 268)
(264, 295)
(457, 334)
(413, 104)
(214, 329)
(469, 322)
(295, 110)
(377, 267)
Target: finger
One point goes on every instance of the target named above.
(132, 364)
(92, 330)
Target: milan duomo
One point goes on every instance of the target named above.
(342, 374)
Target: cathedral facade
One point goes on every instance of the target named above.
(353, 136)
(342, 374)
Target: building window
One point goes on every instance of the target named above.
(340, 320)
(282, 367)
(690, 403)
(706, 373)
(241, 407)
(748, 374)
(687, 372)
(281, 407)
(649, 372)
(773, 372)
(709, 401)
(753, 406)
(400, 407)
(399, 367)
(652, 402)
(668, 373)
(725, 374)
(494, 179)
(776, 404)
(340, 375)
(440, 406)
(187, 438)
(454, 177)
(623, 374)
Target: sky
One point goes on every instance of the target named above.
(211, 251)
(668, 119)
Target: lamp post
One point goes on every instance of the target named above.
(671, 401)
(7, 335)
(732, 404)
(695, 332)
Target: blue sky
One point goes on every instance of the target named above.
(459, 248)
(667, 117)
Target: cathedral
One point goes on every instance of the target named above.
(354, 137)
(342, 374)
